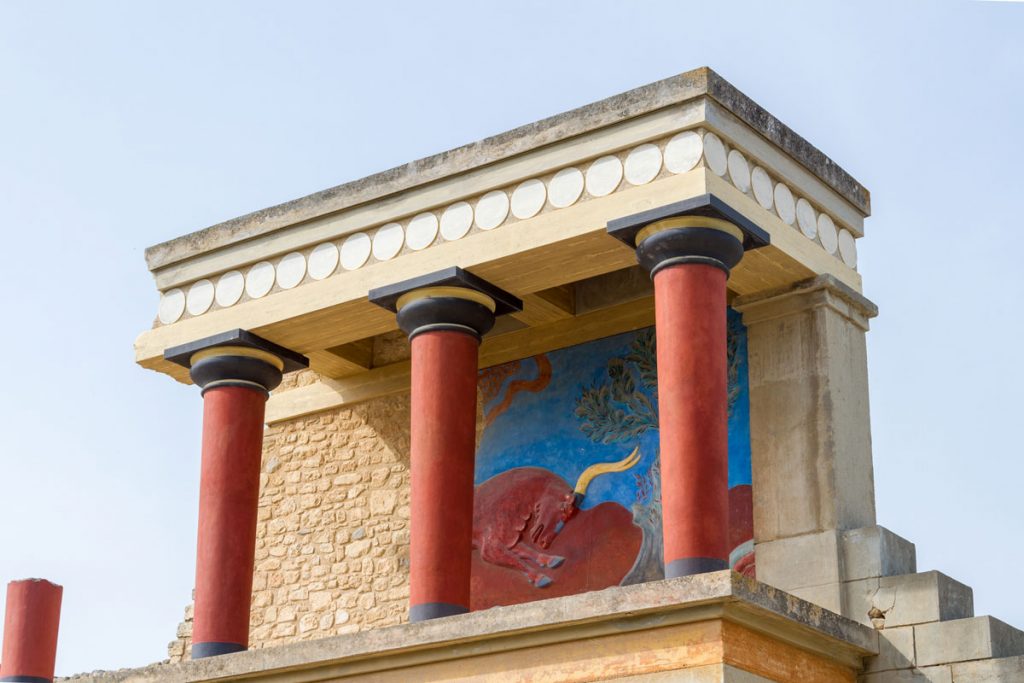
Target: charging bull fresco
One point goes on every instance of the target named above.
(568, 491)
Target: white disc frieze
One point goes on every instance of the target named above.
(492, 210)
(259, 280)
(323, 261)
(683, 152)
(827, 233)
(603, 176)
(172, 306)
(565, 187)
(200, 297)
(643, 164)
(762, 184)
(739, 171)
(806, 218)
(784, 205)
(848, 248)
(290, 270)
(229, 288)
(388, 241)
(528, 199)
(714, 154)
(422, 231)
(355, 250)
(456, 221)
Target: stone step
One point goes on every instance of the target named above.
(907, 599)
(962, 640)
(875, 551)
(1002, 670)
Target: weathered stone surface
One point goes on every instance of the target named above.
(895, 650)
(800, 561)
(931, 674)
(908, 599)
(875, 551)
(966, 639)
(694, 84)
(1003, 670)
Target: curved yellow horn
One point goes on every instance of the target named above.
(605, 467)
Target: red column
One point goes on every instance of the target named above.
(228, 497)
(443, 429)
(30, 631)
(690, 318)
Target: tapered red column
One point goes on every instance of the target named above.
(236, 375)
(445, 316)
(689, 258)
(30, 631)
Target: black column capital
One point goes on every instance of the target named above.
(236, 358)
(703, 229)
(450, 299)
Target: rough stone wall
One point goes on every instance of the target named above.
(332, 541)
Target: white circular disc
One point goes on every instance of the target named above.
(355, 250)
(229, 288)
(739, 171)
(422, 231)
(322, 261)
(643, 164)
(603, 176)
(714, 154)
(565, 187)
(456, 221)
(491, 210)
(200, 297)
(387, 242)
(290, 270)
(683, 152)
(827, 233)
(806, 218)
(172, 305)
(848, 248)
(762, 184)
(528, 199)
(259, 279)
(784, 205)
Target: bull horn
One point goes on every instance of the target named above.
(604, 468)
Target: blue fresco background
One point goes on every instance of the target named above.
(542, 430)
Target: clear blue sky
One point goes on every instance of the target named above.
(126, 124)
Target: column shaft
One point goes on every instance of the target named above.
(228, 499)
(443, 427)
(30, 631)
(690, 314)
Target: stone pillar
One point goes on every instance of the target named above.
(810, 432)
(236, 371)
(30, 631)
(445, 315)
(689, 257)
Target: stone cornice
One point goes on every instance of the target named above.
(634, 103)
(823, 290)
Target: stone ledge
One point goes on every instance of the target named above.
(723, 596)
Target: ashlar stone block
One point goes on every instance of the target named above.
(875, 551)
(908, 599)
(966, 639)
(930, 674)
(1002, 670)
(800, 561)
(895, 650)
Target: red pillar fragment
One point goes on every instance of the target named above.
(30, 631)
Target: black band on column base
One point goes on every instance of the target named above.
(201, 650)
(688, 566)
(25, 679)
(434, 610)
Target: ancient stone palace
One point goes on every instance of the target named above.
(583, 401)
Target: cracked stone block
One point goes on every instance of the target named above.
(800, 561)
(875, 551)
(908, 599)
(1002, 670)
(930, 674)
(966, 639)
(895, 650)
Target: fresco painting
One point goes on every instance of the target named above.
(568, 492)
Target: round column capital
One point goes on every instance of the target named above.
(689, 239)
(236, 366)
(455, 309)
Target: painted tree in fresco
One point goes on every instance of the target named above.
(622, 406)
